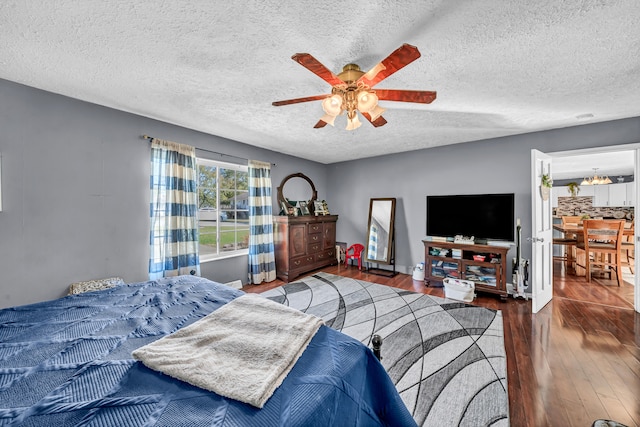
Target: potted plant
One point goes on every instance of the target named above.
(545, 186)
(573, 188)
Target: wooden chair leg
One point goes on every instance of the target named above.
(619, 268)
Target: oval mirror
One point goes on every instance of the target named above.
(297, 187)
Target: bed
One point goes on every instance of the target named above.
(69, 362)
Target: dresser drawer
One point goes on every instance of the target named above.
(313, 248)
(301, 262)
(315, 228)
(314, 238)
(328, 255)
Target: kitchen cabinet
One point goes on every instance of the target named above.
(614, 195)
(601, 195)
(557, 192)
(631, 193)
(617, 194)
(586, 191)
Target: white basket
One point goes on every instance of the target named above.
(461, 290)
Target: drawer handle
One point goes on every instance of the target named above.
(315, 237)
(297, 262)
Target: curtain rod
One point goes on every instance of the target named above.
(209, 151)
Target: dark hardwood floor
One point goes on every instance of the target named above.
(575, 361)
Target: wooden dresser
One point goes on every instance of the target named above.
(304, 243)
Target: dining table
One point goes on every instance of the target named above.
(575, 256)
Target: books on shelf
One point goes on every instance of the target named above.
(435, 239)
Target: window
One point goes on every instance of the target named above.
(223, 209)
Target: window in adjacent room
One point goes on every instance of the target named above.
(223, 209)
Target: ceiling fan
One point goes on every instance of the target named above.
(352, 88)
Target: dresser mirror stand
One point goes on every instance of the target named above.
(299, 187)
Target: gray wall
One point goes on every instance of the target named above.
(501, 165)
(75, 180)
(76, 188)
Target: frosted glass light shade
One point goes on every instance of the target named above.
(332, 105)
(353, 123)
(376, 112)
(367, 101)
(328, 119)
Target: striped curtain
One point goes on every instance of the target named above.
(174, 204)
(262, 264)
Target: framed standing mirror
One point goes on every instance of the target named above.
(380, 232)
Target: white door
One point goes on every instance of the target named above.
(541, 270)
(636, 201)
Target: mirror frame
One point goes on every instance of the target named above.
(314, 193)
(390, 241)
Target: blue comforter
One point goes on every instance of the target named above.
(68, 362)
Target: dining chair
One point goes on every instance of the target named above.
(570, 219)
(628, 245)
(567, 243)
(601, 240)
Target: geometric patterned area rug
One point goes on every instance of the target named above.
(446, 358)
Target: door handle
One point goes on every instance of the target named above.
(535, 239)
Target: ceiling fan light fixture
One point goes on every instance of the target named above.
(328, 119)
(376, 112)
(352, 88)
(332, 105)
(353, 122)
(367, 101)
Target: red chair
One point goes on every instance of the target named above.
(356, 250)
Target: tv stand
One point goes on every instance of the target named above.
(462, 261)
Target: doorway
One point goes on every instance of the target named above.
(601, 291)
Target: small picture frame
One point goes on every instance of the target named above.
(284, 209)
(304, 209)
(320, 208)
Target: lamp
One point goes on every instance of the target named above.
(352, 97)
(595, 179)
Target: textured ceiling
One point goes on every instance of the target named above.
(499, 67)
(612, 164)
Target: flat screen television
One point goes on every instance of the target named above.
(484, 216)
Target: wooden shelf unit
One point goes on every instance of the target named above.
(488, 276)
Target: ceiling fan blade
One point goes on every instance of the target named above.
(380, 121)
(419, 96)
(313, 65)
(398, 59)
(320, 124)
(298, 100)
